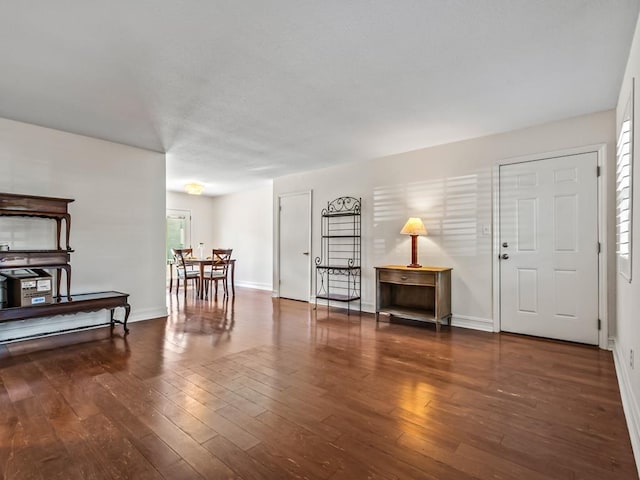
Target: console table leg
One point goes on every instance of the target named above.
(67, 268)
(67, 217)
(59, 231)
(58, 282)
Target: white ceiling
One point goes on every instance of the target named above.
(239, 91)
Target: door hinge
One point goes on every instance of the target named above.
(598, 171)
(599, 324)
(599, 247)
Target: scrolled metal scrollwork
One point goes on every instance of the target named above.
(343, 205)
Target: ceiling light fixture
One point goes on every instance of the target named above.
(194, 188)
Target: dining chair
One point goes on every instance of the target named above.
(184, 272)
(218, 271)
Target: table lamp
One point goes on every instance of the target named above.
(414, 227)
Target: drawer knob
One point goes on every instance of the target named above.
(404, 277)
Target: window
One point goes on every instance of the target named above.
(178, 230)
(624, 189)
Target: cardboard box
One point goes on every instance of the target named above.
(28, 286)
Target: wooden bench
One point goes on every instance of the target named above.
(79, 303)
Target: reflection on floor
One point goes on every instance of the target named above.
(256, 387)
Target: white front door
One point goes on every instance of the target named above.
(295, 239)
(549, 248)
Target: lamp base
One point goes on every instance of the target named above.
(414, 253)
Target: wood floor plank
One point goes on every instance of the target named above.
(243, 464)
(121, 455)
(44, 454)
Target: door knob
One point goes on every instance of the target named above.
(504, 256)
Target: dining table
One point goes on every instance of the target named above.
(202, 263)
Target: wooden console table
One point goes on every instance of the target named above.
(55, 259)
(15, 205)
(414, 293)
(12, 204)
(80, 303)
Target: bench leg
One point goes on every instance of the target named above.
(127, 311)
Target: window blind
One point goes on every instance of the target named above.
(623, 197)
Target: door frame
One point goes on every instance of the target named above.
(603, 163)
(276, 270)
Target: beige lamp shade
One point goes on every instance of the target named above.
(194, 188)
(414, 226)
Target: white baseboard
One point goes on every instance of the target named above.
(629, 402)
(140, 314)
(366, 307)
(255, 285)
(473, 323)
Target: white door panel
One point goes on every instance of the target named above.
(549, 233)
(295, 228)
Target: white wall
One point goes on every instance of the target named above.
(628, 294)
(450, 187)
(242, 221)
(117, 219)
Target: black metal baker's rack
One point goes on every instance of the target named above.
(338, 269)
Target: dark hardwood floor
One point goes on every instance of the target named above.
(260, 389)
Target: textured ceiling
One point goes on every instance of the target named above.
(239, 91)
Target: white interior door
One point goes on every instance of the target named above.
(295, 245)
(549, 248)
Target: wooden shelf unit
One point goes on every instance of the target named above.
(58, 259)
(15, 205)
(49, 259)
(422, 294)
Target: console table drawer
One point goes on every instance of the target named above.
(408, 278)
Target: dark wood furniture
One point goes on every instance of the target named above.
(218, 271)
(80, 303)
(414, 293)
(204, 262)
(57, 209)
(12, 204)
(15, 205)
(183, 270)
(54, 259)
